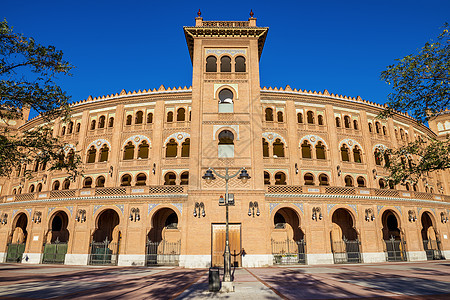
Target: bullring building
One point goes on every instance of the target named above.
(316, 194)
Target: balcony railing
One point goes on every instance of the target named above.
(356, 191)
(104, 191)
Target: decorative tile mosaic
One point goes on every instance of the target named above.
(50, 209)
(70, 208)
(379, 207)
(399, 209)
(151, 206)
(433, 210)
(29, 211)
(272, 206)
(14, 212)
(120, 206)
(179, 206)
(300, 206)
(419, 209)
(329, 207)
(353, 206)
(96, 207)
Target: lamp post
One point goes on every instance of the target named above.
(209, 176)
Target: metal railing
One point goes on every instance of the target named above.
(288, 252)
(163, 253)
(433, 249)
(54, 253)
(15, 252)
(395, 249)
(345, 251)
(104, 253)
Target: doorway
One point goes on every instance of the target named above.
(218, 244)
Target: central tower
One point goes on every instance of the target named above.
(226, 132)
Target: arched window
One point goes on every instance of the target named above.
(406, 136)
(391, 185)
(384, 130)
(143, 150)
(226, 144)
(93, 124)
(184, 178)
(382, 183)
(185, 147)
(125, 180)
(78, 127)
(181, 114)
(170, 117)
(111, 122)
(129, 120)
(70, 128)
(39, 187)
(128, 151)
(149, 118)
(171, 148)
(280, 116)
(396, 133)
(265, 145)
(402, 134)
(55, 185)
(323, 179)
(104, 151)
(348, 180)
(139, 118)
(240, 64)
(378, 127)
(310, 117)
(278, 148)
(280, 178)
(299, 118)
(91, 155)
(101, 122)
(387, 160)
(347, 122)
(141, 179)
(31, 189)
(226, 101)
(426, 189)
(306, 149)
(431, 190)
(36, 166)
(269, 114)
(309, 179)
(338, 122)
(320, 151)
(370, 127)
(14, 191)
(169, 178)
(357, 157)
(355, 124)
(20, 190)
(361, 181)
(408, 186)
(100, 182)
(87, 183)
(225, 64)
(377, 154)
(211, 64)
(320, 119)
(63, 130)
(344, 153)
(415, 187)
(266, 178)
(66, 184)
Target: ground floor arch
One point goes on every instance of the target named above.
(18, 239)
(104, 247)
(394, 242)
(345, 243)
(57, 237)
(430, 237)
(164, 238)
(287, 237)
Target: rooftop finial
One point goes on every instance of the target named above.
(251, 13)
(199, 13)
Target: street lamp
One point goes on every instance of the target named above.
(243, 176)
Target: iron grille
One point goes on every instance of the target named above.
(346, 251)
(395, 250)
(432, 249)
(163, 253)
(54, 253)
(289, 252)
(104, 253)
(15, 252)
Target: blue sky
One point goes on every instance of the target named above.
(341, 46)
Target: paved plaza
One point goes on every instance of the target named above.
(424, 280)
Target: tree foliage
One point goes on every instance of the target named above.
(28, 73)
(421, 84)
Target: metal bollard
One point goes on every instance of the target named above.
(214, 280)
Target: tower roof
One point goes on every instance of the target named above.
(225, 29)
